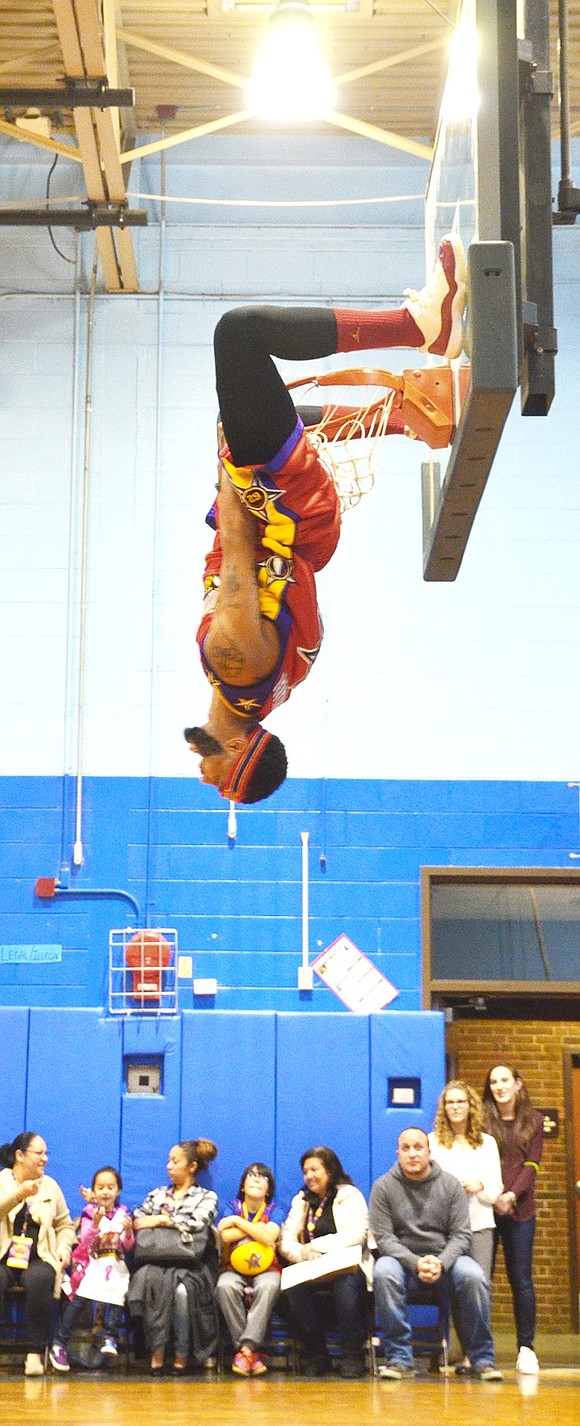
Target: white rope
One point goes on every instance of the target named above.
(280, 203)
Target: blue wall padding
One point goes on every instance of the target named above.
(403, 1046)
(322, 1093)
(13, 1059)
(261, 1085)
(151, 1124)
(74, 1097)
(229, 1090)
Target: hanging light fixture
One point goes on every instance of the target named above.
(291, 80)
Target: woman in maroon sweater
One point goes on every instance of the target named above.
(518, 1131)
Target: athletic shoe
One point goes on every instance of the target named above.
(34, 1365)
(352, 1366)
(58, 1358)
(258, 1366)
(438, 308)
(243, 1362)
(396, 1371)
(486, 1372)
(527, 1362)
(315, 1366)
(109, 1347)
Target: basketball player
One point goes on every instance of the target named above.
(278, 517)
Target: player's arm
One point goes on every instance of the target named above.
(241, 645)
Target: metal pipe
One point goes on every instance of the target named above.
(78, 843)
(47, 887)
(154, 549)
(564, 71)
(305, 838)
(67, 751)
(101, 894)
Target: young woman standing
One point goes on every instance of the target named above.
(518, 1131)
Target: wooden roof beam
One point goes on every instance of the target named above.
(82, 43)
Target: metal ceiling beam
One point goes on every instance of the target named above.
(93, 216)
(82, 43)
(68, 96)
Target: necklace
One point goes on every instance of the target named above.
(314, 1215)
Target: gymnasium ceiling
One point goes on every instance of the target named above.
(187, 61)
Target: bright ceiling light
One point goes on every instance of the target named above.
(291, 80)
(461, 98)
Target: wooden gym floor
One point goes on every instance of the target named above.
(113, 1399)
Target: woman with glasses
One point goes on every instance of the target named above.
(459, 1145)
(249, 1282)
(36, 1238)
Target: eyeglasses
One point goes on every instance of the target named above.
(253, 1173)
(455, 1103)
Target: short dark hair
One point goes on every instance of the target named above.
(331, 1162)
(259, 1168)
(412, 1129)
(108, 1168)
(269, 773)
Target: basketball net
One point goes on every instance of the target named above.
(347, 438)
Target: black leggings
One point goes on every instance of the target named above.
(257, 412)
(38, 1282)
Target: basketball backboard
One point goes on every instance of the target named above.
(490, 181)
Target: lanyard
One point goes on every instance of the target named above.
(261, 1212)
(313, 1217)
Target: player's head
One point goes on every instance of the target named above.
(244, 769)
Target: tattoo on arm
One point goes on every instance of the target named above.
(229, 659)
(231, 582)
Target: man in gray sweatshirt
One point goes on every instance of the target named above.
(420, 1219)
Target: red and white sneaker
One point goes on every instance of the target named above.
(248, 1363)
(438, 308)
(258, 1366)
(243, 1362)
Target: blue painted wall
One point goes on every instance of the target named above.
(238, 910)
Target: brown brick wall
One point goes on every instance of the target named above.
(536, 1048)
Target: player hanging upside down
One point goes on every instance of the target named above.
(278, 515)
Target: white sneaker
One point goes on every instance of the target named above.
(438, 308)
(527, 1362)
(109, 1347)
(33, 1364)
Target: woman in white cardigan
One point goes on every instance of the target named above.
(328, 1213)
(459, 1145)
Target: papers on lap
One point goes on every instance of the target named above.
(328, 1265)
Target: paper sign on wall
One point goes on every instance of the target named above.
(353, 977)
